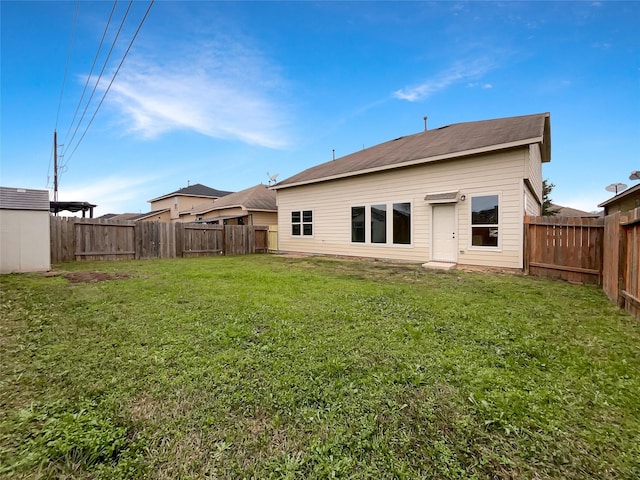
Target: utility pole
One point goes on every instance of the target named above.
(55, 166)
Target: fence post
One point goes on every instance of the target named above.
(622, 259)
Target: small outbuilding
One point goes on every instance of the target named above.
(24, 230)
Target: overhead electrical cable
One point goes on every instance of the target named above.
(95, 59)
(114, 77)
(104, 66)
(66, 67)
(64, 81)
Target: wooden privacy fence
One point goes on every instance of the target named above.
(620, 278)
(602, 251)
(564, 248)
(96, 239)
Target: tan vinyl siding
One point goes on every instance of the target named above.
(160, 217)
(531, 205)
(533, 170)
(227, 212)
(331, 202)
(264, 218)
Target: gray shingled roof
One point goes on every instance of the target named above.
(195, 190)
(258, 197)
(24, 199)
(456, 140)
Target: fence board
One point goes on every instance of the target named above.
(628, 278)
(96, 239)
(201, 240)
(564, 248)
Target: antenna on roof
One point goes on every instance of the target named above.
(425, 122)
(615, 187)
(272, 178)
(635, 175)
(188, 181)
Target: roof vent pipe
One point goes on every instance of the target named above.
(425, 123)
(334, 153)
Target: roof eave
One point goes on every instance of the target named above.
(621, 195)
(419, 161)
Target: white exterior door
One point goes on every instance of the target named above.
(444, 239)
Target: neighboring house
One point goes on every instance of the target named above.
(623, 202)
(454, 194)
(560, 211)
(184, 199)
(163, 215)
(24, 230)
(253, 206)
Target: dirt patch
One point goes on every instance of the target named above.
(93, 277)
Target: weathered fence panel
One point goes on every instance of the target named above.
(621, 277)
(201, 240)
(96, 239)
(611, 256)
(63, 245)
(564, 248)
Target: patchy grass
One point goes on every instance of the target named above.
(267, 367)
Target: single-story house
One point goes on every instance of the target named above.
(623, 202)
(455, 194)
(24, 230)
(252, 206)
(184, 199)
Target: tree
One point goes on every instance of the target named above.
(547, 207)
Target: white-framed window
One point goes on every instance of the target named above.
(485, 221)
(358, 230)
(302, 223)
(382, 223)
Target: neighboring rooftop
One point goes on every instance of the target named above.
(635, 191)
(456, 140)
(256, 198)
(195, 190)
(561, 211)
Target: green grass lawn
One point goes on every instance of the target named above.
(270, 367)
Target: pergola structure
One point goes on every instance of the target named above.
(55, 207)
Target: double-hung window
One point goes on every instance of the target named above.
(302, 223)
(485, 223)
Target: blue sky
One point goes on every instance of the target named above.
(220, 93)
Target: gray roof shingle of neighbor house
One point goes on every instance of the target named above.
(451, 141)
(258, 197)
(196, 190)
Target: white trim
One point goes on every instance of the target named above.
(302, 223)
(480, 248)
(389, 225)
(432, 230)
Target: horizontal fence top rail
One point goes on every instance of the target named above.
(597, 222)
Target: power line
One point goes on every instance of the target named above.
(104, 66)
(95, 59)
(66, 68)
(113, 78)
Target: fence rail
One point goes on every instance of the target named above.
(621, 277)
(96, 239)
(564, 248)
(602, 251)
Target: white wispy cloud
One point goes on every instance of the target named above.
(218, 89)
(461, 71)
(113, 194)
